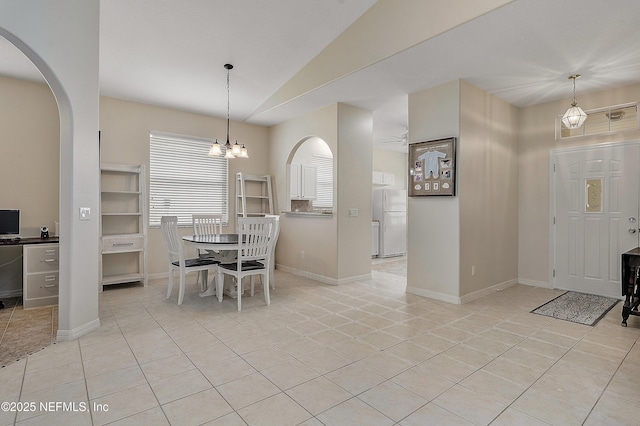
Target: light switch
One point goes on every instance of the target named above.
(85, 213)
(353, 212)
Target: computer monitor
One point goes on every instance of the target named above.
(9, 222)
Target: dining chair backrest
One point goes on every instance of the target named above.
(255, 238)
(204, 224)
(169, 226)
(276, 230)
(274, 238)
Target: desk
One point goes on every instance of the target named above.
(224, 248)
(29, 266)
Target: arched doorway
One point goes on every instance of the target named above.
(67, 58)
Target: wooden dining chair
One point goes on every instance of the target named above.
(205, 224)
(272, 258)
(177, 260)
(255, 244)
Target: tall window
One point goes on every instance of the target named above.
(324, 181)
(184, 180)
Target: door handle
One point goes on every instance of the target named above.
(632, 230)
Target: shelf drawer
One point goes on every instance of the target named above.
(122, 243)
(41, 258)
(39, 286)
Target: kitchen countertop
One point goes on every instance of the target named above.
(309, 214)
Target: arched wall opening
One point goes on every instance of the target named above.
(66, 55)
(311, 156)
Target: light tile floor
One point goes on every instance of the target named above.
(364, 353)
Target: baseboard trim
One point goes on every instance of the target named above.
(78, 331)
(487, 291)
(534, 283)
(322, 278)
(158, 276)
(434, 295)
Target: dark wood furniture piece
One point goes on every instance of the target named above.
(630, 284)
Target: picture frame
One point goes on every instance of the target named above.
(432, 168)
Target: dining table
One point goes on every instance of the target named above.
(223, 248)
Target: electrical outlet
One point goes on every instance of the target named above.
(473, 270)
(302, 254)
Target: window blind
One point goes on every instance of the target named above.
(184, 180)
(324, 181)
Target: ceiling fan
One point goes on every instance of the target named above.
(402, 140)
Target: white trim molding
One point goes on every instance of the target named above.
(78, 331)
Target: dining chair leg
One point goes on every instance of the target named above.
(267, 299)
(239, 295)
(252, 285)
(170, 286)
(183, 278)
(203, 283)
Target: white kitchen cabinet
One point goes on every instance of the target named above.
(302, 181)
(383, 178)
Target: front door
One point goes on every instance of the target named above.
(595, 209)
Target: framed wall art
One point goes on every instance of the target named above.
(432, 168)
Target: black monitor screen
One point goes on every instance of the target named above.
(9, 222)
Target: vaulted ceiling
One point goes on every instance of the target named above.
(295, 56)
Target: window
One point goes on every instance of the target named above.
(184, 180)
(324, 181)
(601, 121)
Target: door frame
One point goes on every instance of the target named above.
(552, 193)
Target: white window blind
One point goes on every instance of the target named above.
(184, 180)
(324, 181)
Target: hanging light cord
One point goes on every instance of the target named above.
(228, 95)
(573, 77)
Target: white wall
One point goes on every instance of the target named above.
(355, 159)
(477, 227)
(331, 249)
(30, 147)
(537, 139)
(306, 245)
(61, 38)
(433, 223)
(125, 128)
(392, 162)
(488, 192)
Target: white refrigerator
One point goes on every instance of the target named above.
(390, 209)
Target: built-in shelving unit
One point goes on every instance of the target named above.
(123, 217)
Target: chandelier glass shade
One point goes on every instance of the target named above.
(231, 151)
(575, 116)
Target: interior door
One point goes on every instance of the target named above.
(596, 216)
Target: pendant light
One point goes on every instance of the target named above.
(575, 116)
(235, 151)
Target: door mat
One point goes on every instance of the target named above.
(577, 307)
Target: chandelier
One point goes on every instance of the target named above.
(235, 151)
(575, 116)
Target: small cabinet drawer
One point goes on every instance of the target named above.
(39, 286)
(41, 258)
(122, 243)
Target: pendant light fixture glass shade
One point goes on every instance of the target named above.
(215, 150)
(235, 151)
(575, 116)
